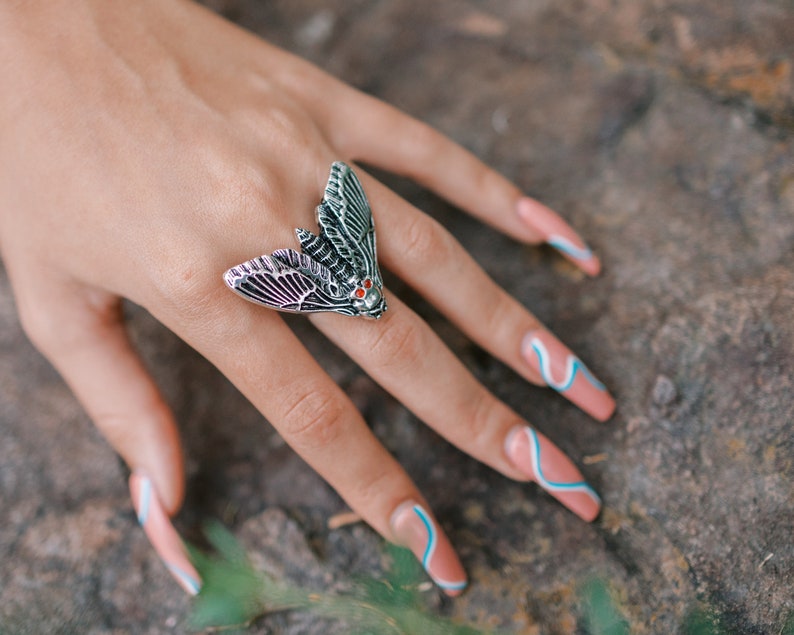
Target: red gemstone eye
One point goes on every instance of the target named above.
(360, 293)
(367, 283)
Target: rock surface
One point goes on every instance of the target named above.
(664, 130)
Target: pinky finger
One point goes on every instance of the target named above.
(81, 331)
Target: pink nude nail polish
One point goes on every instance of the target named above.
(161, 533)
(557, 233)
(543, 462)
(566, 373)
(416, 529)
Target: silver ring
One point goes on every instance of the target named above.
(335, 270)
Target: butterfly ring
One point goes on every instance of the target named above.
(335, 270)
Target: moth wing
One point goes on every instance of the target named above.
(289, 281)
(345, 220)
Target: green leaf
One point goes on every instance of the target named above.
(233, 593)
(601, 611)
(703, 621)
(401, 587)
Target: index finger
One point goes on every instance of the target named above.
(389, 139)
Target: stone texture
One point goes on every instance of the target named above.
(664, 131)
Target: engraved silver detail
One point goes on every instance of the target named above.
(336, 270)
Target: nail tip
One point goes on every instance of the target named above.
(540, 349)
(589, 509)
(604, 414)
(592, 515)
(454, 589)
(591, 267)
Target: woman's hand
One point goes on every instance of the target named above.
(147, 147)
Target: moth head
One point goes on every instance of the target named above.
(367, 298)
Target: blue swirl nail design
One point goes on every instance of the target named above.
(161, 533)
(566, 246)
(190, 584)
(551, 486)
(430, 549)
(144, 501)
(572, 365)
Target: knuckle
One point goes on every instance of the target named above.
(427, 244)
(186, 284)
(242, 191)
(313, 417)
(400, 345)
(42, 327)
(481, 410)
(284, 126)
(288, 126)
(498, 305)
(252, 189)
(370, 491)
(201, 309)
(484, 179)
(122, 427)
(66, 327)
(425, 142)
(486, 414)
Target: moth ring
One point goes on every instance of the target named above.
(335, 270)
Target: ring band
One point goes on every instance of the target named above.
(335, 270)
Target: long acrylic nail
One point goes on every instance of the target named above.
(557, 233)
(566, 373)
(543, 462)
(161, 533)
(416, 529)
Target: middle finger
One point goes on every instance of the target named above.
(405, 356)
